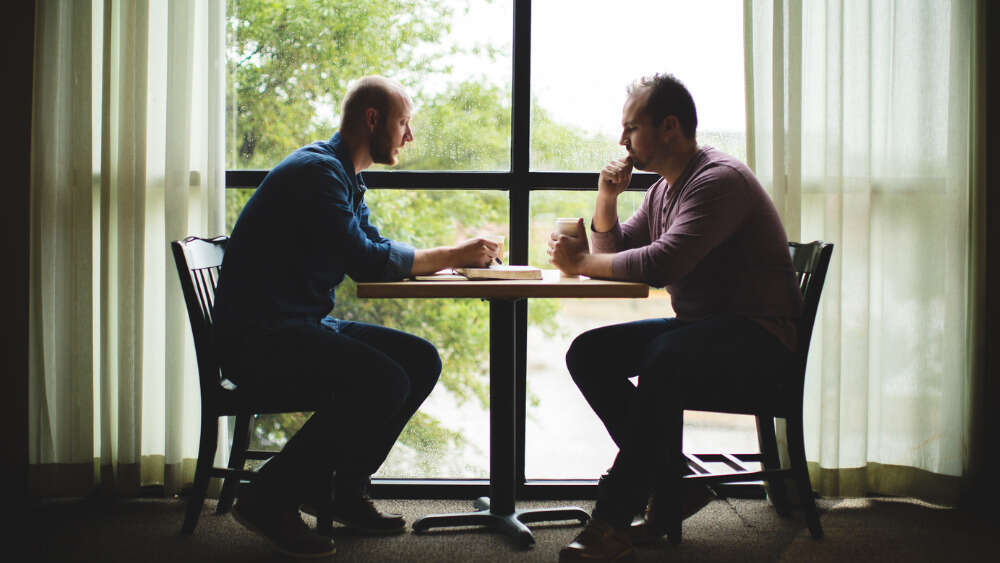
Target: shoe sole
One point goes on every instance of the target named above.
(567, 558)
(356, 528)
(647, 539)
(369, 531)
(253, 528)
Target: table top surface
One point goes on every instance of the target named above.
(552, 284)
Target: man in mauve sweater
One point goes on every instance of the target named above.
(708, 232)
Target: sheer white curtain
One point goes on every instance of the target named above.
(859, 125)
(127, 155)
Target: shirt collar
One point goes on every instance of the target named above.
(693, 163)
(340, 150)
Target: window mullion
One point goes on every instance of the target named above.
(519, 208)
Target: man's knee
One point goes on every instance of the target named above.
(424, 367)
(388, 383)
(583, 355)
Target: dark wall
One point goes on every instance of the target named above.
(15, 97)
(986, 439)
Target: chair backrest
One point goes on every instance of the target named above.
(810, 262)
(199, 262)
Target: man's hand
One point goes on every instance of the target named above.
(567, 253)
(474, 253)
(615, 177)
(611, 182)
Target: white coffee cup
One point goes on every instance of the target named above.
(566, 226)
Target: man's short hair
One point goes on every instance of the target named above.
(667, 96)
(367, 92)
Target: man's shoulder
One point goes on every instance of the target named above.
(318, 156)
(312, 162)
(714, 161)
(717, 168)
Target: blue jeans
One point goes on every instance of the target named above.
(373, 380)
(674, 361)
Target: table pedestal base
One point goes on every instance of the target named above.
(511, 524)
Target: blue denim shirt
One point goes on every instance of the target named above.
(302, 231)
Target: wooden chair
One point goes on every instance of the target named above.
(199, 263)
(810, 261)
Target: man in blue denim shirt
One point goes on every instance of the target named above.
(304, 229)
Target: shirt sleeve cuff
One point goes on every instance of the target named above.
(400, 262)
(607, 242)
(620, 267)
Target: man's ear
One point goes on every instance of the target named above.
(371, 119)
(669, 125)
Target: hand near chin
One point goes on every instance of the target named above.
(615, 177)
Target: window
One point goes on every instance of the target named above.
(510, 133)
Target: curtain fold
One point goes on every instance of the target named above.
(859, 125)
(127, 154)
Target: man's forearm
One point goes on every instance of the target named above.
(605, 212)
(597, 266)
(430, 260)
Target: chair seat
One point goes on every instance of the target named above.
(771, 406)
(245, 400)
(776, 402)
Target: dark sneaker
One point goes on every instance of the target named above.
(599, 541)
(358, 512)
(284, 528)
(653, 525)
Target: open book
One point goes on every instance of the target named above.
(501, 272)
(494, 272)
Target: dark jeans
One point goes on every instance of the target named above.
(370, 379)
(674, 361)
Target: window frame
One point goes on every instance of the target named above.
(518, 182)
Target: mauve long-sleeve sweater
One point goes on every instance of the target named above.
(715, 241)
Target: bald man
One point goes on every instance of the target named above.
(304, 229)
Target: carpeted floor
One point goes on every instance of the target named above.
(879, 530)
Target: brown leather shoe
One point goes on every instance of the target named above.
(359, 512)
(653, 525)
(282, 527)
(598, 541)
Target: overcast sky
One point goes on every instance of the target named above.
(585, 52)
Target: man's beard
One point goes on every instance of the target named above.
(636, 163)
(381, 145)
(633, 158)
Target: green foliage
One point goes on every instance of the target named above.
(556, 146)
(289, 59)
(466, 127)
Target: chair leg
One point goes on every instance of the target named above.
(206, 455)
(237, 458)
(674, 481)
(324, 521)
(766, 439)
(797, 454)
